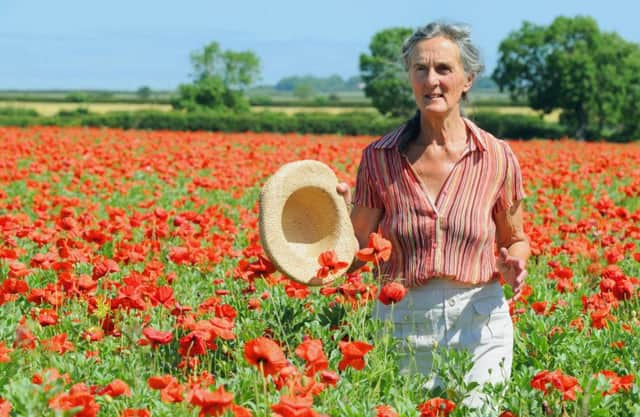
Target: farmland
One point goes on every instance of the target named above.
(134, 283)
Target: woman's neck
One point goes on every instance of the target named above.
(444, 131)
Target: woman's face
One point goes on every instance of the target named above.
(437, 76)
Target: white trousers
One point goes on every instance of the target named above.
(452, 314)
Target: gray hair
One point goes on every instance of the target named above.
(458, 33)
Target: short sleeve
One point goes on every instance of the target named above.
(366, 193)
(512, 189)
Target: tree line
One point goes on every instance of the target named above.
(591, 76)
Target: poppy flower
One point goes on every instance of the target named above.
(385, 411)
(211, 403)
(155, 337)
(4, 353)
(135, 412)
(195, 343)
(58, 343)
(116, 388)
(297, 406)
(353, 354)
(566, 384)
(311, 351)
(617, 382)
(47, 317)
(436, 407)
(79, 396)
(329, 377)
(223, 328)
(329, 264)
(5, 408)
(392, 292)
(266, 355)
(378, 249)
(170, 390)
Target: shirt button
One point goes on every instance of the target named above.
(406, 317)
(452, 302)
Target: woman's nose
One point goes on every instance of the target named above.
(432, 78)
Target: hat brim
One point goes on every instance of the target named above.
(301, 216)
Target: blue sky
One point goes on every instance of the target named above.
(120, 44)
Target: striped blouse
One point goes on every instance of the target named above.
(454, 236)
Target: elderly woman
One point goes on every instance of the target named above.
(445, 192)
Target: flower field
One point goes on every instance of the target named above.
(132, 283)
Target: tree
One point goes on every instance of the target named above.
(385, 79)
(303, 91)
(571, 65)
(144, 92)
(220, 79)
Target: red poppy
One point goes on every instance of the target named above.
(211, 403)
(617, 382)
(170, 390)
(5, 408)
(4, 353)
(155, 337)
(116, 388)
(47, 317)
(135, 412)
(196, 343)
(566, 384)
(392, 292)
(329, 264)
(58, 343)
(386, 411)
(378, 249)
(353, 354)
(24, 338)
(78, 396)
(223, 328)
(294, 407)
(311, 351)
(266, 355)
(295, 289)
(436, 407)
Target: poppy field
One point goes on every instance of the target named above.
(133, 283)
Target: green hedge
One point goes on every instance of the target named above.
(517, 126)
(17, 112)
(354, 123)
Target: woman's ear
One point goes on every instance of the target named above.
(469, 83)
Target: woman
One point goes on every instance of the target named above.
(445, 192)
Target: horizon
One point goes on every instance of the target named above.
(65, 46)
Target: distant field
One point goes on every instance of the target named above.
(52, 108)
(323, 109)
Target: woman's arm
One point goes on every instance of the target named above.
(513, 245)
(365, 221)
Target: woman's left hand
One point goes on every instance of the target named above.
(513, 271)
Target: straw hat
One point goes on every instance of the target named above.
(301, 216)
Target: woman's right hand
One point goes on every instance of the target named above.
(343, 189)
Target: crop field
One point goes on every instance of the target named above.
(133, 283)
(52, 108)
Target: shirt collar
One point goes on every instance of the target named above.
(403, 134)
